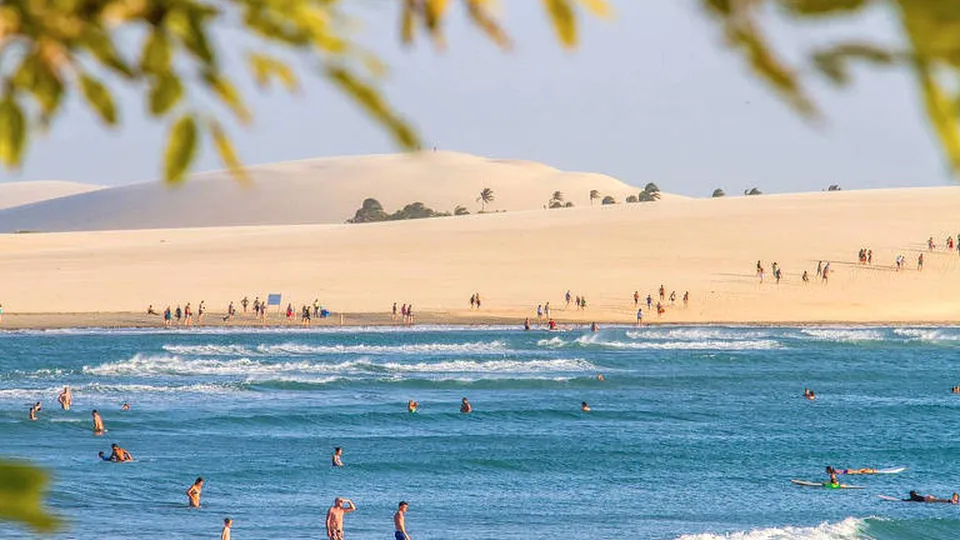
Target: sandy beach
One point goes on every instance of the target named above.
(515, 260)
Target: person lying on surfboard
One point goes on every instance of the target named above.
(865, 470)
(916, 497)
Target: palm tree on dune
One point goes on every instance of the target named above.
(594, 195)
(486, 197)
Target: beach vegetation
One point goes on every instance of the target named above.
(752, 191)
(460, 211)
(568, 204)
(54, 49)
(608, 200)
(594, 195)
(632, 199)
(834, 187)
(719, 192)
(648, 196)
(556, 200)
(486, 197)
(22, 487)
(651, 188)
(371, 211)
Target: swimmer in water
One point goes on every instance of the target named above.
(600, 377)
(125, 407)
(465, 406)
(594, 327)
(65, 398)
(103, 457)
(98, 428)
(119, 454)
(193, 493)
(584, 407)
(336, 459)
(412, 406)
(225, 532)
(37, 407)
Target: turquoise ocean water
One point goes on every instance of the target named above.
(695, 433)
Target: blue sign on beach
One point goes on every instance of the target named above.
(273, 299)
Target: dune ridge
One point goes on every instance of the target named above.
(325, 190)
(14, 194)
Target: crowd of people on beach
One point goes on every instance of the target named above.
(183, 315)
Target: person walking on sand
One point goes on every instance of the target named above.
(920, 262)
(400, 522)
(636, 298)
(167, 316)
(662, 293)
(225, 532)
(639, 316)
(244, 303)
(98, 428)
(649, 302)
(341, 507)
(393, 312)
(193, 493)
(337, 459)
(65, 398)
(465, 406)
(567, 297)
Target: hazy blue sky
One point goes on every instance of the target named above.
(649, 96)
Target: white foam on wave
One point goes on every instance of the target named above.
(844, 335)
(553, 343)
(848, 529)
(701, 333)
(708, 345)
(932, 335)
(140, 365)
(120, 389)
(289, 349)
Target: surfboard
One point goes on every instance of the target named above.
(889, 498)
(823, 485)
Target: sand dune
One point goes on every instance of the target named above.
(313, 191)
(518, 259)
(20, 193)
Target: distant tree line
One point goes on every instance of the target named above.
(372, 211)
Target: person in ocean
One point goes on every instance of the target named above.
(125, 407)
(65, 398)
(98, 428)
(341, 507)
(119, 454)
(225, 532)
(584, 407)
(336, 459)
(465, 406)
(193, 493)
(412, 406)
(400, 522)
(865, 470)
(594, 327)
(103, 457)
(37, 407)
(526, 324)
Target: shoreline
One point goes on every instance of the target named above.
(129, 320)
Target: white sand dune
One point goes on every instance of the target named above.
(313, 191)
(14, 194)
(521, 258)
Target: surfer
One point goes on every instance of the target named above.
(98, 428)
(865, 470)
(916, 497)
(400, 522)
(336, 459)
(465, 406)
(65, 398)
(193, 493)
(335, 515)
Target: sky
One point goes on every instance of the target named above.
(650, 95)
